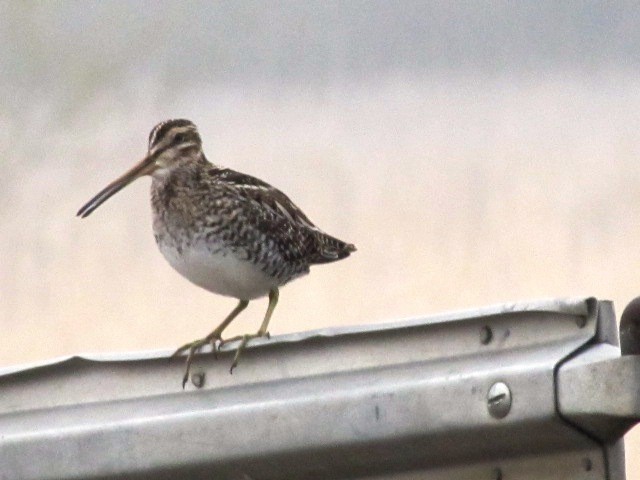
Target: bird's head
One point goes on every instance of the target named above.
(172, 143)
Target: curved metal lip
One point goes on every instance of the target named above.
(567, 305)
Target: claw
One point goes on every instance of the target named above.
(243, 343)
(244, 340)
(185, 378)
(212, 338)
(193, 347)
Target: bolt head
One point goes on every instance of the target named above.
(197, 379)
(499, 400)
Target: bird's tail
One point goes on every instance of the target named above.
(331, 249)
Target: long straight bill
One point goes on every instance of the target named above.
(145, 166)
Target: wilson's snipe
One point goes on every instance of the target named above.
(227, 232)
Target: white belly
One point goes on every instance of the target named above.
(222, 273)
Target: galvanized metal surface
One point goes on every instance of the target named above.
(405, 400)
(600, 392)
(630, 328)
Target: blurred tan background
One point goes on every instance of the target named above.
(475, 152)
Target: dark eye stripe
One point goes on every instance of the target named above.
(163, 130)
(180, 138)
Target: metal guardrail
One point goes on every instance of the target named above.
(521, 391)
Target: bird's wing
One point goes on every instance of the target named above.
(279, 218)
(266, 197)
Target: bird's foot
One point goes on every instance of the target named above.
(244, 339)
(192, 348)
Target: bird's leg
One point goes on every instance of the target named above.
(262, 332)
(216, 334)
(196, 345)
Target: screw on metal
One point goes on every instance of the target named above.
(197, 379)
(499, 400)
(496, 474)
(486, 335)
(581, 322)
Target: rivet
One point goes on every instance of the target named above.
(581, 322)
(197, 379)
(499, 400)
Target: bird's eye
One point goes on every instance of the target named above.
(179, 138)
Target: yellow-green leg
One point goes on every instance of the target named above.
(196, 345)
(262, 332)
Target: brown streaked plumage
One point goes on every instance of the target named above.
(225, 231)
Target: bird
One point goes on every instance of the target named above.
(225, 231)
